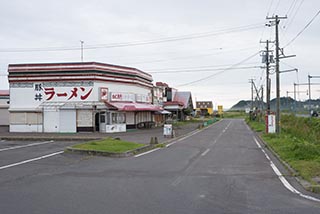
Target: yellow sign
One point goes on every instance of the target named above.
(220, 110)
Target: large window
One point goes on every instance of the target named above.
(118, 118)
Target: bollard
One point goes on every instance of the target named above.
(156, 140)
(151, 140)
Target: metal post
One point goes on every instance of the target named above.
(81, 50)
(295, 99)
(309, 77)
(268, 80)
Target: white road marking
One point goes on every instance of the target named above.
(24, 146)
(153, 150)
(191, 134)
(205, 152)
(30, 160)
(282, 178)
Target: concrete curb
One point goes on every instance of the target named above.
(134, 151)
(112, 154)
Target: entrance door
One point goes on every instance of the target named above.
(68, 121)
(102, 122)
(51, 120)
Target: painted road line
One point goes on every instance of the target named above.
(24, 146)
(30, 160)
(282, 178)
(153, 150)
(191, 134)
(205, 152)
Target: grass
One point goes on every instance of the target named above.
(298, 144)
(235, 114)
(109, 145)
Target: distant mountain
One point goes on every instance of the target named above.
(241, 105)
(286, 103)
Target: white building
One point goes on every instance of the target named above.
(4, 106)
(77, 97)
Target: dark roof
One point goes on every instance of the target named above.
(162, 84)
(204, 104)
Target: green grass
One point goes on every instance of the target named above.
(256, 126)
(235, 114)
(109, 145)
(298, 144)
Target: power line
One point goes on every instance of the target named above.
(187, 57)
(220, 72)
(196, 70)
(294, 15)
(303, 29)
(138, 43)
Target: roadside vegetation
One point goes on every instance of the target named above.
(207, 119)
(298, 145)
(235, 114)
(109, 145)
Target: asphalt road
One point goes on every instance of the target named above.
(218, 170)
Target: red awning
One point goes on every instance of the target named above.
(124, 106)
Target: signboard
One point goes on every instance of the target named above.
(104, 94)
(143, 98)
(220, 110)
(271, 123)
(122, 97)
(52, 92)
(167, 130)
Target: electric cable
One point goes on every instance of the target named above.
(138, 43)
(220, 72)
(303, 29)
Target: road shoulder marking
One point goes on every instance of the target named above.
(205, 152)
(282, 178)
(25, 146)
(144, 153)
(30, 160)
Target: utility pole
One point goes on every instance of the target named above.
(81, 50)
(276, 23)
(309, 77)
(267, 60)
(295, 98)
(251, 81)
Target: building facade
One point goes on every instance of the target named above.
(79, 97)
(4, 107)
(204, 108)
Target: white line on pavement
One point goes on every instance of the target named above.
(205, 152)
(282, 178)
(30, 160)
(24, 146)
(153, 150)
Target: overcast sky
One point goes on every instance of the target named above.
(208, 47)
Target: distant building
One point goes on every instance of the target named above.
(4, 107)
(180, 104)
(204, 107)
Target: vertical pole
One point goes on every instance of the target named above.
(295, 99)
(309, 77)
(251, 95)
(267, 79)
(81, 50)
(277, 77)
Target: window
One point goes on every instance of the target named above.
(118, 118)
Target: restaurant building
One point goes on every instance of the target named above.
(79, 97)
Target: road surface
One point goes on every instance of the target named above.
(220, 169)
